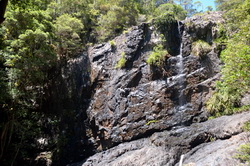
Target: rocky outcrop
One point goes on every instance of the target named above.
(126, 101)
(245, 101)
(213, 142)
(158, 111)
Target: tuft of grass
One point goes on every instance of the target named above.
(200, 48)
(112, 43)
(158, 56)
(122, 62)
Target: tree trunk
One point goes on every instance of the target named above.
(3, 5)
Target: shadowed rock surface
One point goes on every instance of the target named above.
(213, 142)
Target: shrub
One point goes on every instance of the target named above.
(200, 48)
(122, 62)
(223, 101)
(158, 56)
(119, 16)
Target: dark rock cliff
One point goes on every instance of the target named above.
(127, 100)
(158, 112)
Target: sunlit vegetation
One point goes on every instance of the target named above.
(158, 56)
(200, 48)
(235, 81)
(122, 62)
(244, 150)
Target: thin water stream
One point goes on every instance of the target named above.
(180, 67)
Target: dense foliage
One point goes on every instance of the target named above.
(158, 56)
(235, 80)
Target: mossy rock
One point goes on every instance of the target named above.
(200, 48)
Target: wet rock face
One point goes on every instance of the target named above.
(135, 101)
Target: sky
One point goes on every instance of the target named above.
(207, 3)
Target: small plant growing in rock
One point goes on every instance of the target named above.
(200, 48)
(246, 126)
(122, 62)
(244, 150)
(244, 153)
(112, 43)
(125, 32)
(151, 121)
(158, 56)
(212, 139)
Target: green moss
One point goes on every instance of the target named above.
(112, 43)
(122, 62)
(158, 56)
(200, 48)
(151, 121)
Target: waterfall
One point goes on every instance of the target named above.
(180, 67)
